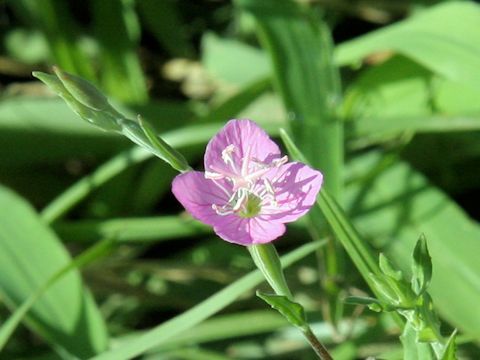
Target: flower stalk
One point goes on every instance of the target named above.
(266, 258)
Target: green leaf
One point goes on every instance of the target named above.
(58, 26)
(83, 259)
(434, 38)
(163, 332)
(292, 311)
(413, 350)
(232, 61)
(422, 266)
(117, 29)
(394, 206)
(387, 268)
(372, 303)
(66, 315)
(451, 348)
(342, 228)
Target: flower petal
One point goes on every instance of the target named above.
(248, 140)
(246, 232)
(296, 187)
(197, 195)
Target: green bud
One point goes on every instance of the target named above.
(104, 119)
(83, 91)
(267, 260)
(422, 267)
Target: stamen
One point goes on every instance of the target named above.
(222, 210)
(213, 175)
(280, 162)
(227, 154)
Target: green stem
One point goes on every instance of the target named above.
(316, 345)
(267, 260)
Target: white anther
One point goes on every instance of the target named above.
(280, 162)
(213, 175)
(227, 154)
(242, 195)
(222, 210)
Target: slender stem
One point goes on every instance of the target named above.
(317, 346)
(267, 260)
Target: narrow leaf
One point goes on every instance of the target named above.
(292, 311)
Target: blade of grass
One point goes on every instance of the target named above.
(88, 256)
(162, 333)
(307, 80)
(116, 29)
(131, 230)
(341, 226)
(54, 20)
(30, 254)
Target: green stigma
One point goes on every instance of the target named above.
(251, 207)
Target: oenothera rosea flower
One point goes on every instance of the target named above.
(248, 190)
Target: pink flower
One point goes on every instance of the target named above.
(248, 190)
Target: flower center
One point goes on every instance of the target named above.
(251, 190)
(251, 206)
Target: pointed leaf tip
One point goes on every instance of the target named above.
(422, 266)
(292, 311)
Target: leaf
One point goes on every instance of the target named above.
(372, 303)
(232, 61)
(59, 28)
(434, 38)
(83, 259)
(163, 332)
(413, 350)
(451, 348)
(292, 311)
(422, 266)
(387, 268)
(117, 30)
(66, 315)
(395, 203)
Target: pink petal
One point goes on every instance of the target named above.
(249, 140)
(296, 188)
(246, 232)
(197, 195)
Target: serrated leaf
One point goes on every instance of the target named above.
(292, 311)
(422, 266)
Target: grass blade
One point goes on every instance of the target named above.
(30, 255)
(80, 261)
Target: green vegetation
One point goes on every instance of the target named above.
(97, 258)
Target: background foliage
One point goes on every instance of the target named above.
(381, 96)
